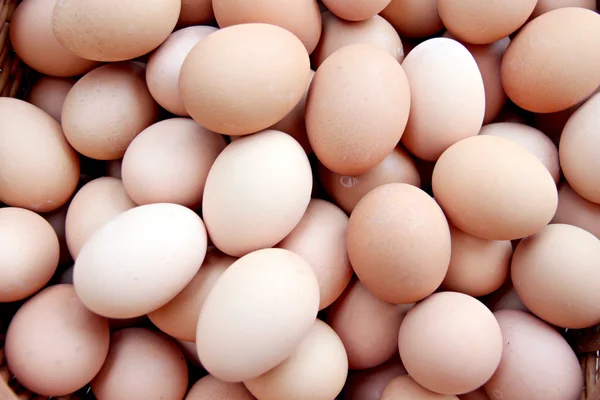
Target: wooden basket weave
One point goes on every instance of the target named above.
(15, 80)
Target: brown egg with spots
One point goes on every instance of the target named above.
(414, 18)
(49, 94)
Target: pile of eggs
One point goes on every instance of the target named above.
(293, 200)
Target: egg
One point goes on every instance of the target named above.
(483, 23)
(478, 394)
(553, 62)
(405, 388)
(578, 150)
(141, 364)
(399, 243)
(95, 204)
(49, 93)
(57, 219)
(30, 253)
(268, 73)
(367, 384)
(300, 17)
(367, 326)
(267, 207)
(338, 33)
(195, 12)
(356, 11)
(317, 369)
(109, 30)
(39, 169)
(272, 298)
(444, 70)
(554, 273)
(210, 387)
(487, 197)
(450, 343)
(354, 115)
(164, 67)
(505, 298)
(537, 362)
(117, 269)
(575, 210)
(179, 317)
(189, 351)
(54, 345)
(543, 6)
(414, 18)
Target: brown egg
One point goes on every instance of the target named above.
(485, 196)
(210, 387)
(442, 69)
(107, 109)
(367, 326)
(356, 10)
(414, 18)
(277, 182)
(95, 204)
(195, 12)
(575, 210)
(477, 266)
(399, 243)
(320, 238)
(505, 298)
(57, 219)
(272, 298)
(268, 74)
(164, 67)
(346, 191)
(543, 6)
(30, 253)
(553, 62)
(141, 365)
(33, 40)
(537, 363)
(478, 394)
(39, 169)
(579, 150)
(301, 17)
(316, 370)
(530, 139)
(168, 162)
(478, 22)
(110, 30)
(367, 384)
(54, 345)
(49, 94)
(555, 273)
(179, 317)
(450, 343)
(338, 33)
(354, 117)
(405, 388)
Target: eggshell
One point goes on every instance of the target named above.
(368, 384)
(367, 326)
(210, 387)
(110, 30)
(537, 363)
(579, 150)
(553, 62)
(554, 272)
(356, 10)
(54, 345)
(505, 298)
(168, 162)
(450, 343)
(320, 238)
(484, 22)
(57, 219)
(575, 210)
(405, 388)
(189, 351)
(164, 67)
(268, 72)
(49, 94)
(39, 169)
(444, 70)
(179, 317)
(543, 6)
(338, 33)
(117, 269)
(29, 256)
(346, 191)
(477, 266)
(195, 12)
(414, 18)
(485, 196)
(317, 369)
(32, 38)
(478, 394)
(277, 182)
(106, 109)
(141, 365)
(399, 243)
(354, 115)
(301, 17)
(272, 298)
